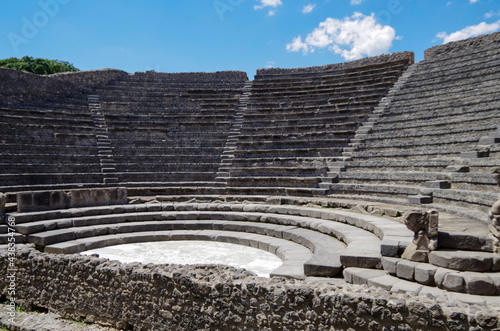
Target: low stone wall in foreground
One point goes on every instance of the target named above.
(168, 297)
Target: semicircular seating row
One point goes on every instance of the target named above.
(310, 241)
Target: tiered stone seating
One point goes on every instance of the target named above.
(48, 144)
(169, 129)
(298, 121)
(333, 238)
(428, 139)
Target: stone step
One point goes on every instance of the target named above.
(466, 260)
(293, 255)
(425, 274)
(441, 184)
(419, 199)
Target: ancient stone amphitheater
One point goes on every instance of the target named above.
(375, 181)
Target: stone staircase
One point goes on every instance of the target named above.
(430, 144)
(108, 165)
(232, 139)
(339, 166)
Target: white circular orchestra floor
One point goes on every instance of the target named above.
(193, 252)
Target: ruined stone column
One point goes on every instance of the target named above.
(425, 226)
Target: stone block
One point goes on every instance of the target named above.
(406, 269)
(474, 154)
(99, 197)
(291, 271)
(404, 286)
(419, 199)
(29, 228)
(389, 264)
(495, 277)
(361, 276)
(389, 248)
(64, 199)
(41, 199)
(52, 237)
(439, 276)
(317, 266)
(411, 253)
(458, 168)
(479, 284)
(466, 241)
(153, 207)
(432, 292)
(454, 281)
(56, 200)
(489, 140)
(424, 273)
(386, 282)
(70, 247)
(118, 195)
(94, 243)
(462, 260)
(80, 198)
(360, 259)
(439, 184)
(496, 263)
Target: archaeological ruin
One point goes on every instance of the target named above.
(375, 181)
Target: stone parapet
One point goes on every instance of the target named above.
(18, 87)
(59, 199)
(407, 57)
(462, 45)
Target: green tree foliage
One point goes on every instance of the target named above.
(37, 66)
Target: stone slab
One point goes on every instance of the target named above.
(462, 260)
(386, 282)
(404, 286)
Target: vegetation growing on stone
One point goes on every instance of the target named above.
(37, 66)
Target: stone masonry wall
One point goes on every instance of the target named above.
(23, 87)
(167, 297)
(64, 199)
(400, 56)
(463, 45)
(18, 87)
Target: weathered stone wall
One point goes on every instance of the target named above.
(221, 76)
(64, 199)
(138, 297)
(463, 45)
(18, 87)
(23, 87)
(400, 56)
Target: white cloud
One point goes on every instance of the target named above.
(491, 14)
(271, 12)
(470, 31)
(352, 38)
(473, 1)
(309, 8)
(296, 45)
(268, 3)
(356, 2)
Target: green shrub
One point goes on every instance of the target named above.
(37, 66)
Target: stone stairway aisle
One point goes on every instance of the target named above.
(232, 139)
(334, 168)
(108, 165)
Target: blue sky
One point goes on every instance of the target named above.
(214, 35)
